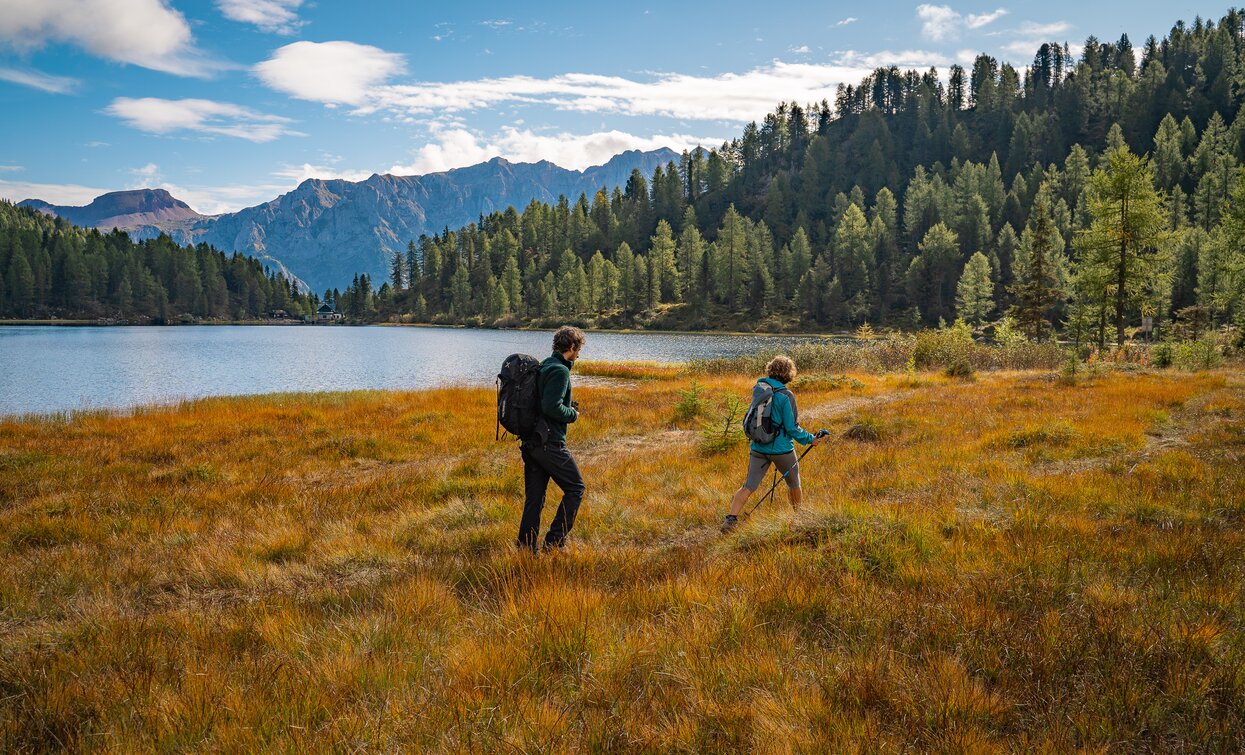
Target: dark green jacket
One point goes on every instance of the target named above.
(554, 382)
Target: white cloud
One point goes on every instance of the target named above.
(147, 33)
(497, 23)
(458, 147)
(1030, 36)
(145, 176)
(159, 116)
(918, 59)
(975, 21)
(801, 50)
(12, 168)
(214, 200)
(39, 80)
(848, 20)
(733, 97)
(938, 22)
(1031, 29)
(941, 22)
(275, 16)
(329, 72)
(347, 73)
(300, 173)
(60, 194)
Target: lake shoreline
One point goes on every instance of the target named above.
(51, 368)
(832, 335)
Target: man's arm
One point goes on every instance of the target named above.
(557, 380)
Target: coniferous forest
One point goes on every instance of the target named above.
(1095, 196)
(1087, 195)
(51, 268)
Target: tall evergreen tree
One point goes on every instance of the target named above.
(1128, 235)
(974, 296)
(1035, 273)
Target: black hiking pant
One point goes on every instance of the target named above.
(541, 463)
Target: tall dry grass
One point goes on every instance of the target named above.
(1015, 563)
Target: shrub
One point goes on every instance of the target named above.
(961, 369)
(1051, 434)
(725, 431)
(1008, 335)
(926, 350)
(691, 404)
(826, 382)
(865, 430)
(945, 346)
(1163, 355)
(1202, 354)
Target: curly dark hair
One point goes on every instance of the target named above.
(567, 338)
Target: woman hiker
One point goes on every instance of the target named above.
(780, 451)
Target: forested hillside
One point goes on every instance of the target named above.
(1082, 193)
(49, 267)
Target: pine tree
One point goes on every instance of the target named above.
(731, 265)
(642, 291)
(854, 252)
(21, 281)
(974, 299)
(1169, 159)
(1214, 167)
(411, 267)
(691, 251)
(596, 283)
(625, 261)
(1035, 273)
(1127, 236)
(939, 258)
(661, 258)
(397, 271)
(1221, 265)
(512, 282)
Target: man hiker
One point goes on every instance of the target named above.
(545, 455)
(784, 418)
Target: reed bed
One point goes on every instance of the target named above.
(1017, 562)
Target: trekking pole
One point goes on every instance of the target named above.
(820, 434)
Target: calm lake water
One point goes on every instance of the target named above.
(51, 369)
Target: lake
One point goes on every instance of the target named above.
(52, 369)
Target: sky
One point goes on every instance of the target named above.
(229, 103)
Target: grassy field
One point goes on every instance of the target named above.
(1012, 562)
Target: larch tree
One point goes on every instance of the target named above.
(974, 296)
(1128, 235)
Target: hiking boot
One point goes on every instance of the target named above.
(730, 523)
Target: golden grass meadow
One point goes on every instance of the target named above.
(1013, 562)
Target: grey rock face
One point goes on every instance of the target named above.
(324, 232)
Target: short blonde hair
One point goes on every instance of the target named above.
(781, 368)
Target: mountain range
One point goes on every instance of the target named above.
(325, 231)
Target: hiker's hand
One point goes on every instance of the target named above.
(816, 441)
(575, 405)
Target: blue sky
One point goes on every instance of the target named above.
(228, 103)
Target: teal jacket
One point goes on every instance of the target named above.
(554, 382)
(782, 413)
